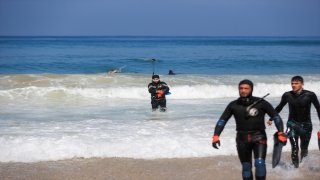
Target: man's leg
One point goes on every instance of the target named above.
(293, 136)
(259, 161)
(162, 104)
(245, 156)
(260, 152)
(154, 104)
(305, 139)
(294, 150)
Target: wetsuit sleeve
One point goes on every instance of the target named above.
(282, 103)
(223, 120)
(278, 122)
(274, 115)
(316, 104)
(152, 90)
(165, 87)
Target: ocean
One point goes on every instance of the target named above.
(59, 102)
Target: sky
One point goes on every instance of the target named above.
(159, 17)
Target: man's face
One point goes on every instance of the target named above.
(156, 80)
(244, 90)
(296, 86)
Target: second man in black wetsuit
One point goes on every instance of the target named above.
(299, 121)
(250, 126)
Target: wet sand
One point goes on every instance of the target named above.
(219, 167)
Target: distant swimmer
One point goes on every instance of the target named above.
(153, 60)
(171, 72)
(114, 71)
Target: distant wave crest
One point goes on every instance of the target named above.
(201, 91)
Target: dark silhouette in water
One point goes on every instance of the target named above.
(171, 72)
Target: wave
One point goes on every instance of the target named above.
(200, 91)
(133, 86)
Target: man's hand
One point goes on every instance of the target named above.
(269, 123)
(215, 141)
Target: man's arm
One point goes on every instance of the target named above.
(165, 87)
(282, 103)
(226, 115)
(151, 89)
(316, 104)
(274, 116)
(220, 126)
(277, 121)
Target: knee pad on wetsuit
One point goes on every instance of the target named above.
(260, 167)
(246, 169)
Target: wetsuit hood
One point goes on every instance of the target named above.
(246, 100)
(247, 81)
(155, 76)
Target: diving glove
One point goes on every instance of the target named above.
(282, 137)
(215, 141)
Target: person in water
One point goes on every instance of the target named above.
(299, 123)
(158, 89)
(114, 71)
(171, 72)
(250, 126)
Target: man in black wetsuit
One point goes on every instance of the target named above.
(249, 113)
(299, 122)
(158, 89)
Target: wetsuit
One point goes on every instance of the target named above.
(155, 100)
(299, 121)
(251, 135)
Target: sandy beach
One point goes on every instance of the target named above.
(220, 167)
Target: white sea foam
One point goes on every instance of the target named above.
(53, 117)
(128, 87)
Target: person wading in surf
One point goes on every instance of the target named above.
(249, 113)
(299, 123)
(158, 89)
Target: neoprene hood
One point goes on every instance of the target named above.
(247, 81)
(155, 76)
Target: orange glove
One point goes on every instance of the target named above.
(160, 93)
(215, 141)
(282, 137)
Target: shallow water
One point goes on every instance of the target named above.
(58, 102)
(54, 117)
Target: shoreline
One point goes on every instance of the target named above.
(218, 167)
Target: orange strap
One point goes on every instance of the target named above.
(215, 138)
(282, 137)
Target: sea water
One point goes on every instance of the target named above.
(58, 100)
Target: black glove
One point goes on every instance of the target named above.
(215, 141)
